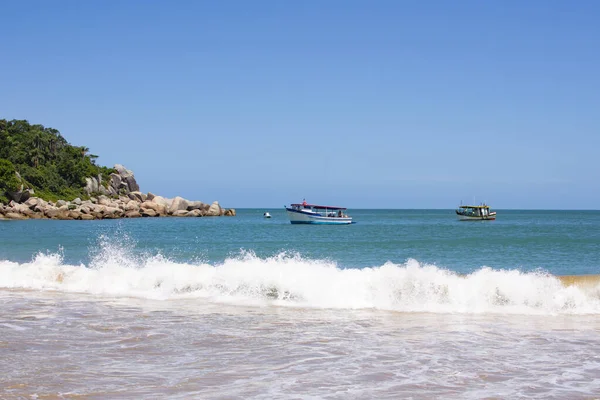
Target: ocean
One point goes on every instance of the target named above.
(402, 304)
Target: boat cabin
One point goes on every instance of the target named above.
(474, 211)
(317, 210)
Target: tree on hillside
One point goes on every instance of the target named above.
(8, 177)
(45, 160)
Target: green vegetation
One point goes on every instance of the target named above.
(8, 179)
(45, 162)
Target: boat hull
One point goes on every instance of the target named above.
(307, 217)
(490, 217)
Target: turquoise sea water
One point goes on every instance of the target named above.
(558, 242)
(402, 304)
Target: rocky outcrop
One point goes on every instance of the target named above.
(22, 194)
(19, 196)
(120, 182)
(127, 179)
(119, 197)
(105, 207)
(214, 210)
(94, 185)
(115, 184)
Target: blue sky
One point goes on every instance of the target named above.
(383, 104)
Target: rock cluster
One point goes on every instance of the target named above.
(133, 205)
(122, 182)
(119, 197)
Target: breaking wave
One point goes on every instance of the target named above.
(291, 280)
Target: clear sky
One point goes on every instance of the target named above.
(365, 104)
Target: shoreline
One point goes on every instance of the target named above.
(132, 205)
(117, 197)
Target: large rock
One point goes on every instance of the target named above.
(22, 194)
(22, 209)
(104, 201)
(94, 185)
(132, 214)
(96, 208)
(162, 201)
(195, 213)
(115, 182)
(195, 205)
(91, 186)
(14, 215)
(86, 209)
(150, 205)
(19, 197)
(127, 176)
(63, 214)
(51, 212)
(214, 210)
(179, 203)
(112, 191)
(41, 207)
(133, 205)
(75, 214)
(147, 212)
(32, 202)
(181, 213)
(138, 196)
(113, 212)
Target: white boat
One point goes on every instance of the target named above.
(304, 213)
(475, 213)
(267, 215)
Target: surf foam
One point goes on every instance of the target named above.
(291, 280)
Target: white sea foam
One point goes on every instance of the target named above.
(291, 280)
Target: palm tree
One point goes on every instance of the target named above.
(36, 156)
(40, 146)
